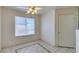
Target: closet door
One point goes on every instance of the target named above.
(67, 30)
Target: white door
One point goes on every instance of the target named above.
(66, 30)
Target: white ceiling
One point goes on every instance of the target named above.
(40, 12)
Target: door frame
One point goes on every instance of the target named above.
(71, 10)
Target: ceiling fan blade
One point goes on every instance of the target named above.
(38, 8)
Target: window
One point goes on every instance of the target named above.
(24, 26)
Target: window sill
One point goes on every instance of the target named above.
(25, 35)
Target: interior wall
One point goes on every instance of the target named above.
(48, 27)
(8, 29)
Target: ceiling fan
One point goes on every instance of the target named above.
(32, 10)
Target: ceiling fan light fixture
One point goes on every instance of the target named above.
(28, 11)
(32, 10)
(33, 13)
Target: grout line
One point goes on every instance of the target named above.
(44, 48)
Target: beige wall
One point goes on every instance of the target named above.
(8, 29)
(48, 27)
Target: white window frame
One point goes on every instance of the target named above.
(26, 34)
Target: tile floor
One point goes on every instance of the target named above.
(37, 47)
